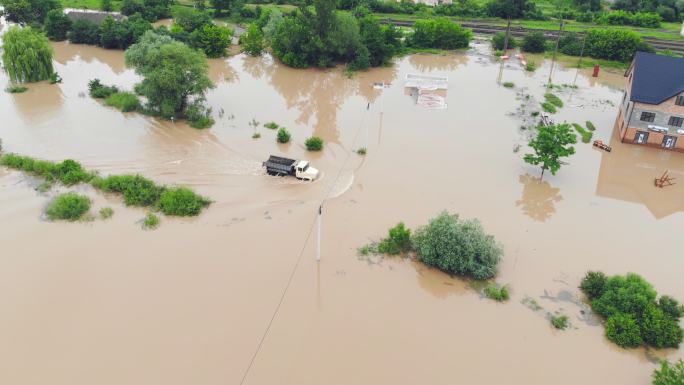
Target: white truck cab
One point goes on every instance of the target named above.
(304, 171)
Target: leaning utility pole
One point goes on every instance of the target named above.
(318, 237)
(555, 50)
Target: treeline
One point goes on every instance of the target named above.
(611, 44)
(321, 36)
(34, 12)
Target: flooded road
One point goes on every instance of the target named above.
(106, 302)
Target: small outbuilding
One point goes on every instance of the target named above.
(96, 17)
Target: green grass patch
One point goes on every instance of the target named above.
(496, 292)
(553, 99)
(16, 89)
(68, 172)
(256, 135)
(548, 107)
(106, 212)
(181, 201)
(590, 126)
(271, 125)
(68, 206)
(150, 222)
(509, 84)
(560, 322)
(314, 143)
(586, 135)
(530, 67)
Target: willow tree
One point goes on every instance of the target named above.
(27, 55)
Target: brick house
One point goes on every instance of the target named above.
(652, 109)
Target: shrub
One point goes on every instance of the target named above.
(669, 374)
(439, 33)
(586, 135)
(106, 212)
(398, 241)
(283, 135)
(530, 67)
(252, 41)
(15, 89)
(457, 247)
(553, 99)
(534, 42)
(560, 321)
(256, 135)
(68, 206)
(271, 125)
(613, 44)
(69, 172)
(57, 24)
(548, 107)
(624, 331)
(590, 126)
(124, 101)
(181, 201)
(509, 84)
(100, 91)
(314, 143)
(362, 151)
(593, 284)
(199, 116)
(496, 292)
(150, 222)
(634, 316)
(570, 44)
(137, 190)
(84, 31)
(499, 39)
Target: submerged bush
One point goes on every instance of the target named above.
(496, 292)
(534, 42)
(560, 321)
(458, 247)
(590, 126)
(669, 374)
(124, 101)
(136, 190)
(150, 222)
(106, 212)
(283, 135)
(553, 99)
(634, 317)
(509, 84)
(499, 40)
(398, 240)
(199, 116)
(271, 125)
(548, 107)
(100, 91)
(15, 89)
(68, 206)
(586, 135)
(314, 143)
(68, 172)
(182, 201)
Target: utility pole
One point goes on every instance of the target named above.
(579, 62)
(508, 32)
(555, 51)
(318, 237)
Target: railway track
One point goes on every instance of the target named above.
(518, 31)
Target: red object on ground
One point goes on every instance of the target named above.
(596, 70)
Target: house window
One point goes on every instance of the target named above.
(680, 100)
(669, 141)
(675, 121)
(641, 137)
(647, 117)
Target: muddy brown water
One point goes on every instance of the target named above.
(106, 302)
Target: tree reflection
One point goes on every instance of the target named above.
(426, 63)
(538, 198)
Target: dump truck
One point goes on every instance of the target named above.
(276, 165)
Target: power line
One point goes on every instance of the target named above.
(301, 253)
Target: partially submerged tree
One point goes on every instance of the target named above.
(173, 73)
(27, 55)
(57, 25)
(552, 143)
(252, 41)
(28, 11)
(669, 374)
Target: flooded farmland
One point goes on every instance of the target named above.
(108, 303)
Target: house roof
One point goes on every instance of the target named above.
(656, 78)
(94, 16)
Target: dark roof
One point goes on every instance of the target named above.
(95, 17)
(656, 77)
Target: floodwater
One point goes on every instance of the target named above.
(108, 303)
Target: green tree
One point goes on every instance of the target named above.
(28, 11)
(84, 31)
(106, 5)
(514, 9)
(669, 374)
(550, 145)
(57, 25)
(253, 40)
(534, 42)
(373, 38)
(109, 33)
(173, 73)
(222, 7)
(190, 19)
(439, 33)
(613, 44)
(27, 55)
(458, 247)
(212, 39)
